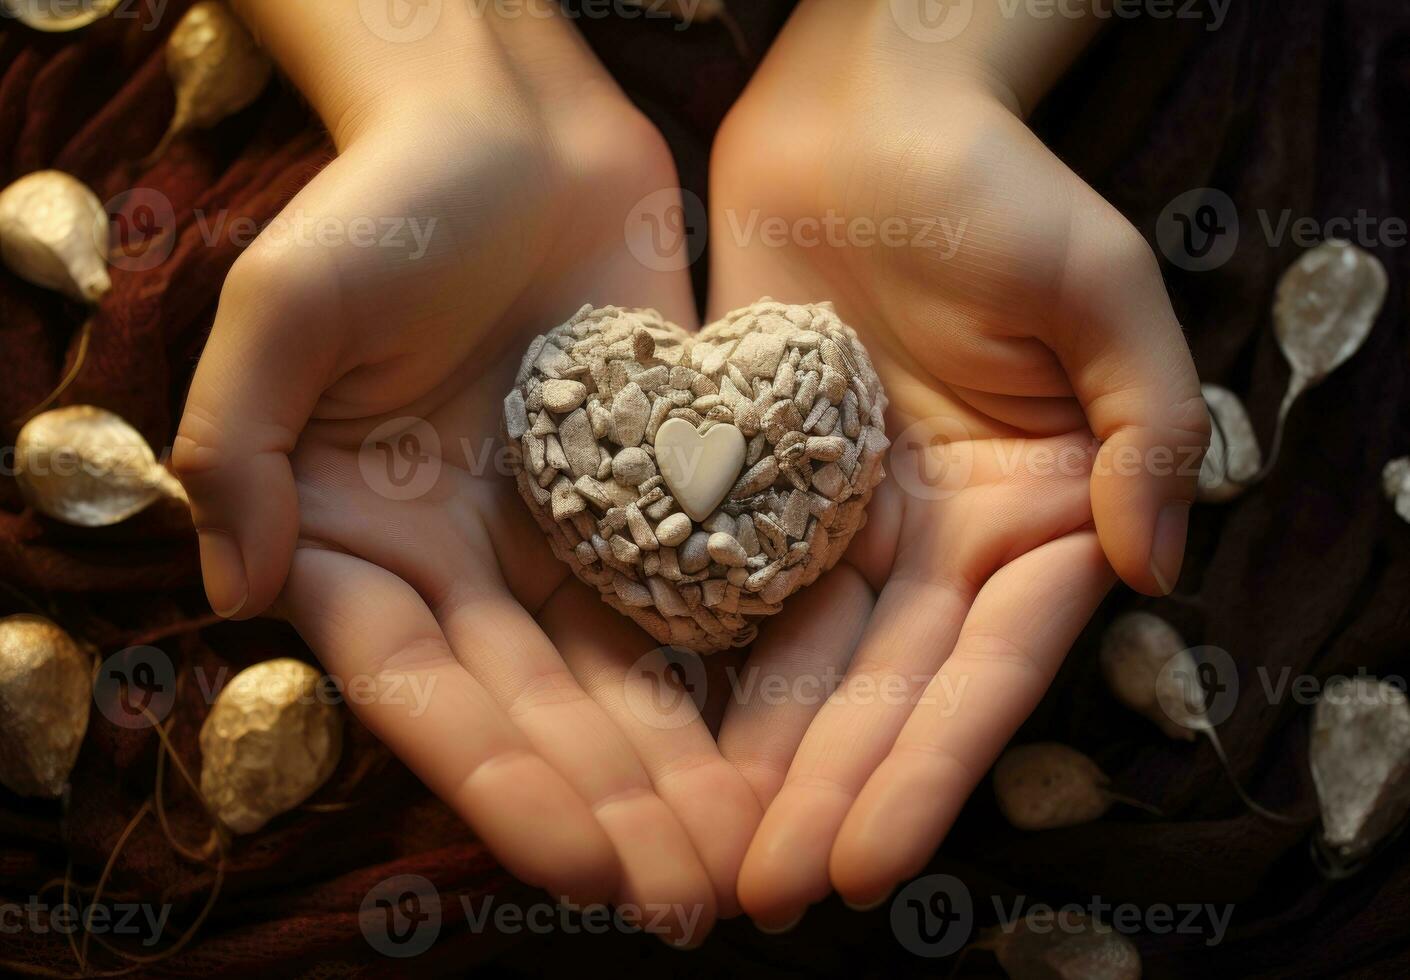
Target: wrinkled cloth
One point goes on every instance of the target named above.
(1290, 105)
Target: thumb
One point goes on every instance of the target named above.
(1130, 367)
(263, 369)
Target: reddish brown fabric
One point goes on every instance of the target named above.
(1296, 104)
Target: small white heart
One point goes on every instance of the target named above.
(699, 470)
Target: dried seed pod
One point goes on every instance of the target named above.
(216, 67)
(1147, 665)
(1047, 785)
(86, 466)
(1324, 308)
(45, 693)
(270, 741)
(56, 16)
(1083, 949)
(1234, 459)
(1396, 480)
(54, 233)
(1360, 756)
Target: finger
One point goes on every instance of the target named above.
(1131, 370)
(269, 356)
(797, 662)
(948, 551)
(364, 622)
(1024, 621)
(495, 639)
(662, 878)
(621, 670)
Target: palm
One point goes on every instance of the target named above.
(978, 564)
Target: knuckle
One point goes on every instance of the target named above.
(197, 448)
(1190, 417)
(982, 650)
(1131, 254)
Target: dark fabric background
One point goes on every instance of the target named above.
(1291, 104)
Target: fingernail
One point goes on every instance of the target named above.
(1168, 545)
(867, 906)
(224, 572)
(779, 930)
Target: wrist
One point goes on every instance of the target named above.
(353, 68)
(982, 47)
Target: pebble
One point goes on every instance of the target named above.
(828, 480)
(630, 412)
(726, 550)
(563, 396)
(826, 448)
(719, 521)
(673, 530)
(575, 435)
(623, 550)
(641, 532)
(516, 416)
(633, 467)
(694, 554)
(760, 476)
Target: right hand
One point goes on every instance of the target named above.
(529, 160)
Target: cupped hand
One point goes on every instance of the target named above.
(1047, 428)
(341, 447)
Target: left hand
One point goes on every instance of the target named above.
(1047, 427)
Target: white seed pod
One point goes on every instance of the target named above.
(86, 466)
(215, 66)
(1323, 310)
(57, 16)
(1360, 756)
(1325, 306)
(45, 693)
(1083, 949)
(54, 233)
(270, 741)
(1233, 459)
(1047, 785)
(1395, 478)
(1148, 667)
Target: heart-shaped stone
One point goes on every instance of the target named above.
(698, 480)
(698, 469)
